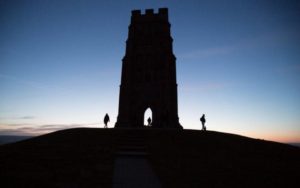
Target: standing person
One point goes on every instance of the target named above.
(106, 120)
(149, 121)
(203, 120)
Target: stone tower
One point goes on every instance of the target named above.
(149, 72)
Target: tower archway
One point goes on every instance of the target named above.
(148, 114)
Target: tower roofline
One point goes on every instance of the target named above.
(149, 13)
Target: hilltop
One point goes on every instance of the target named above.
(84, 157)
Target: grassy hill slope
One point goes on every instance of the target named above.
(84, 157)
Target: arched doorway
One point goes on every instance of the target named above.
(147, 114)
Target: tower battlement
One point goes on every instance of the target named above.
(137, 15)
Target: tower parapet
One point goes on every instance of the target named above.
(137, 16)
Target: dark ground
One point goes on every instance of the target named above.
(5, 139)
(84, 157)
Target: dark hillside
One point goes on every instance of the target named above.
(5, 139)
(180, 158)
(194, 159)
(70, 158)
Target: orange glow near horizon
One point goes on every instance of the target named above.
(283, 137)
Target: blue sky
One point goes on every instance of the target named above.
(237, 62)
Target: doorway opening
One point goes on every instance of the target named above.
(148, 117)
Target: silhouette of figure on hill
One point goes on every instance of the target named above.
(203, 120)
(106, 120)
(149, 121)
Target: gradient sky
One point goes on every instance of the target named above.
(237, 61)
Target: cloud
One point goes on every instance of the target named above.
(35, 85)
(18, 118)
(210, 86)
(23, 82)
(27, 117)
(261, 41)
(38, 129)
(289, 69)
(207, 52)
(15, 124)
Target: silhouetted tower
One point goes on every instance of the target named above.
(149, 72)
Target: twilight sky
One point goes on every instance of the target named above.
(237, 61)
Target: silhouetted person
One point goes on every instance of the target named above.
(106, 120)
(149, 121)
(203, 120)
